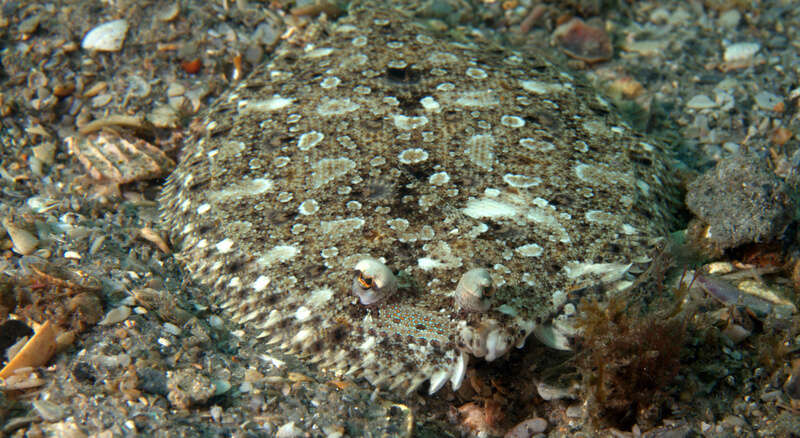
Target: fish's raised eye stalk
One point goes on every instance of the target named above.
(373, 282)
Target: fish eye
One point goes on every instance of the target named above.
(365, 282)
(373, 282)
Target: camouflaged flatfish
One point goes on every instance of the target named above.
(387, 204)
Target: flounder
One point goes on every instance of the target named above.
(386, 203)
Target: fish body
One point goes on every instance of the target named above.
(384, 147)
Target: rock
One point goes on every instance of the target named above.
(116, 315)
(729, 19)
(528, 428)
(152, 381)
(701, 101)
(49, 411)
(740, 201)
(767, 101)
(107, 37)
(740, 52)
(188, 388)
(289, 430)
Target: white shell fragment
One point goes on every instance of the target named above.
(107, 37)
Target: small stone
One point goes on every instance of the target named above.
(152, 381)
(169, 13)
(701, 101)
(767, 101)
(221, 387)
(216, 322)
(164, 116)
(172, 329)
(574, 411)
(175, 89)
(107, 37)
(45, 152)
(528, 428)
(729, 19)
(289, 430)
(548, 392)
(736, 333)
(188, 387)
(101, 100)
(116, 315)
(731, 421)
(647, 47)
(67, 429)
(49, 411)
(30, 24)
(771, 396)
(739, 52)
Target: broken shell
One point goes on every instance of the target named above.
(36, 352)
(24, 242)
(373, 282)
(470, 289)
(582, 41)
(107, 37)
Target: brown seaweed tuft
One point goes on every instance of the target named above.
(628, 356)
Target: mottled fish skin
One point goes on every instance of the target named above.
(380, 142)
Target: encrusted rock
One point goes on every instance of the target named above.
(740, 201)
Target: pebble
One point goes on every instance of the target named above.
(647, 47)
(216, 322)
(169, 13)
(29, 25)
(107, 37)
(164, 116)
(49, 411)
(548, 392)
(172, 329)
(67, 430)
(101, 100)
(701, 101)
(289, 430)
(575, 411)
(731, 421)
(767, 101)
(45, 152)
(116, 315)
(729, 19)
(771, 396)
(528, 428)
(740, 52)
(152, 381)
